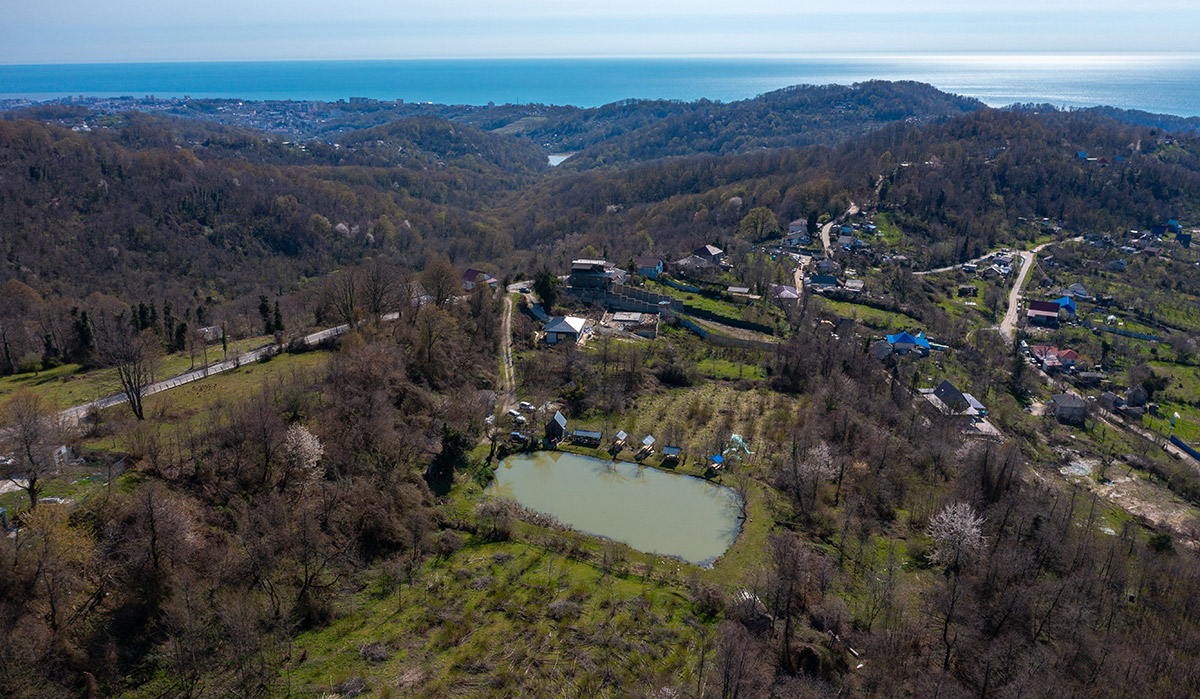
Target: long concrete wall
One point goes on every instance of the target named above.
(624, 298)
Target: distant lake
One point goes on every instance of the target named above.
(1156, 83)
(648, 509)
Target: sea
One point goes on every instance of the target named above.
(1163, 83)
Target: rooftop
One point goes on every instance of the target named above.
(565, 324)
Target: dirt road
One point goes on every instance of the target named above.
(508, 400)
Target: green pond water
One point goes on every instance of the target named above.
(650, 510)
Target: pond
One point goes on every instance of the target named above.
(648, 509)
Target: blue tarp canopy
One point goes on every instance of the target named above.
(718, 459)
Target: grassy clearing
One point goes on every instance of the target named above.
(1187, 427)
(892, 235)
(1183, 381)
(70, 385)
(727, 369)
(507, 619)
(189, 405)
(718, 306)
(874, 317)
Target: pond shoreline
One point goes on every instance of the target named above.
(691, 519)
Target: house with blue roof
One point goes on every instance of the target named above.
(1067, 304)
(904, 342)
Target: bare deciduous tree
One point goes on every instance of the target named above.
(343, 294)
(381, 288)
(30, 432)
(440, 280)
(135, 358)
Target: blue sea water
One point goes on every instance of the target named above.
(1157, 83)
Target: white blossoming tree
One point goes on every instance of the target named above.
(957, 533)
(809, 470)
(302, 451)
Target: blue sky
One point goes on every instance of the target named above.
(75, 31)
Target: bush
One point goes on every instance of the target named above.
(709, 601)
(447, 542)
(1161, 543)
(561, 609)
(374, 652)
(29, 363)
(352, 686)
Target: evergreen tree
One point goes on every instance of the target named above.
(545, 285)
(168, 322)
(264, 310)
(85, 336)
(49, 349)
(142, 320)
(180, 340)
(278, 318)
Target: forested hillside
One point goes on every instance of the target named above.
(316, 522)
(217, 210)
(138, 208)
(788, 118)
(960, 187)
(611, 135)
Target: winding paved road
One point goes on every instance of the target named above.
(828, 227)
(1008, 327)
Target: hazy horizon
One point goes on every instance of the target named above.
(1073, 58)
(152, 31)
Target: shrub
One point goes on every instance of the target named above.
(29, 363)
(561, 609)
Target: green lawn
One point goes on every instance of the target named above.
(1187, 427)
(69, 385)
(717, 306)
(191, 404)
(506, 619)
(892, 235)
(726, 369)
(874, 317)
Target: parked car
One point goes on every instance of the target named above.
(525, 405)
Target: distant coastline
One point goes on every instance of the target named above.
(1166, 84)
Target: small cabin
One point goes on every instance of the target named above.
(556, 428)
(587, 438)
